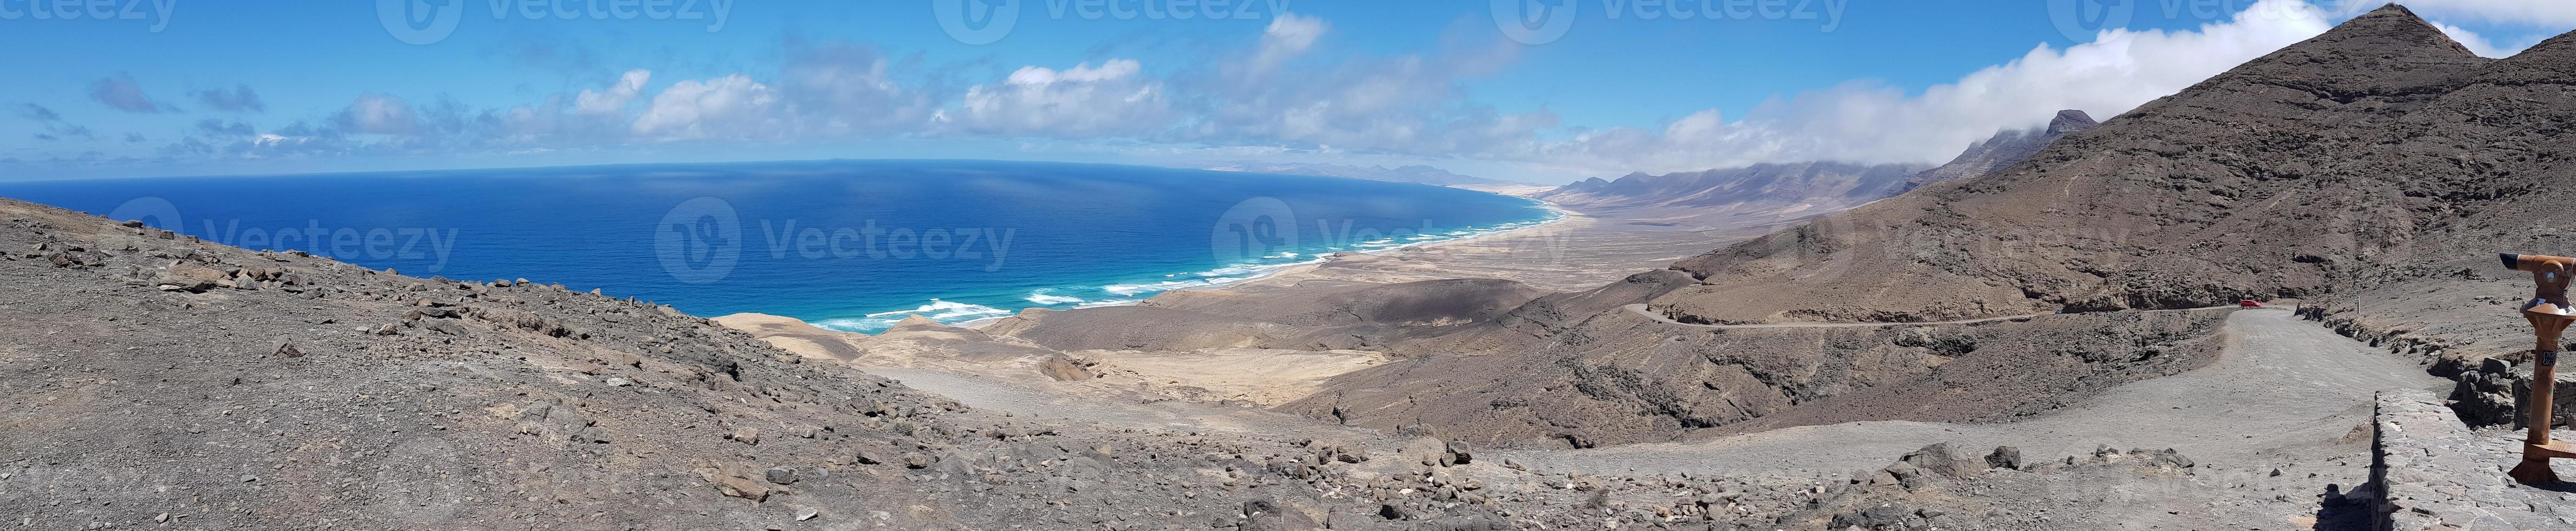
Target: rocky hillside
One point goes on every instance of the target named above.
(2281, 178)
(2378, 166)
(2005, 149)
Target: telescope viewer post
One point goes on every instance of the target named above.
(2549, 313)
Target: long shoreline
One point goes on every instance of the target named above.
(1557, 214)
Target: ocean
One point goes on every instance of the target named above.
(847, 245)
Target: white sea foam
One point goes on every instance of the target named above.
(1041, 297)
(944, 310)
(956, 313)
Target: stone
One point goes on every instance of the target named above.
(2004, 457)
(782, 476)
(2495, 366)
(2173, 458)
(745, 435)
(190, 286)
(742, 488)
(1908, 475)
(283, 347)
(1886, 515)
(1938, 459)
(1459, 453)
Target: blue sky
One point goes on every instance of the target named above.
(182, 87)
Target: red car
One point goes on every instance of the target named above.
(2248, 303)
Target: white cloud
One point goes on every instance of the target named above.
(1870, 123)
(1403, 104)
(378, 114)
(845, 88)
(2479, 43)
(2558, 14)
(614, 100)
(1288, 36)
(728, 107)
(1110, 99)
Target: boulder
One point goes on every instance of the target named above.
(2004, 457)
(1938, 459)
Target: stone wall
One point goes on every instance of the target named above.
(2434, 473)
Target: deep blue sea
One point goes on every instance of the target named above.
(850, 245)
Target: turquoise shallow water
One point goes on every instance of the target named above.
(851, 245)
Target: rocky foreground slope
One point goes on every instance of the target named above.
(154, 380)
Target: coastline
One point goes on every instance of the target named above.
(1558, 215)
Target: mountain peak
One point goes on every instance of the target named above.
(2070, 121)
(2388, 28)
(2386, 53)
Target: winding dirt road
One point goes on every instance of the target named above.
(1641, 309)
(2278, 383)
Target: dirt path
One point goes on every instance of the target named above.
(2278, 383)
(1640, 309)
(1001, 395)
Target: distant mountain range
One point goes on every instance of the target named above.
(1801, 190)
(2005, 149)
